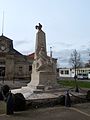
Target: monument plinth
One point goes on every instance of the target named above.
(44, 68)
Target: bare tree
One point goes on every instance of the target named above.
(75, 61)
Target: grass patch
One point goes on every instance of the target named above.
(71, 83)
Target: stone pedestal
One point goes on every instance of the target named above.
(43, 80)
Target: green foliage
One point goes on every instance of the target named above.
(71, 83)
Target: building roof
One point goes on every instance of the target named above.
(12, 50)
(6, 38)
(31, 56)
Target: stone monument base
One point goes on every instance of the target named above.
(42, 85)
(42, 81)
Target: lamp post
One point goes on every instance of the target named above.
(76, 84)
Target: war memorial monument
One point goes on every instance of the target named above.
(44, 68)
(43, 78)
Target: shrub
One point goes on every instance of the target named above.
(19, 102)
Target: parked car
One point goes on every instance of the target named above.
(79, 76)
(82, 76)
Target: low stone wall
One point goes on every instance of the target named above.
(78, 99)
(38, 103)
(43, 103)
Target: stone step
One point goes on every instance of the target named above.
(40, 87)
(38, 91)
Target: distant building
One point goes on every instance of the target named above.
(13, 65)
(65, 72)
(70, 72)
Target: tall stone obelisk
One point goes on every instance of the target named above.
(44, 68)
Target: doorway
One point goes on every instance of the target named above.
(2, 71)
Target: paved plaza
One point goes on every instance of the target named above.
(77, 112)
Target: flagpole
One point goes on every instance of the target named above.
(3, 24)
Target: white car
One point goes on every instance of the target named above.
(82, 76)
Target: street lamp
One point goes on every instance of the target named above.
(76, 84)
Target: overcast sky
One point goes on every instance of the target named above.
(65, 22)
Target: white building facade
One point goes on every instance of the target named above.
(70, 72)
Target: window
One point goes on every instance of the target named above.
(2, 62)
(2, 71)
(66, 72)
(61, 71)
(20, 68)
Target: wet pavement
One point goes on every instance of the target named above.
(77, 112)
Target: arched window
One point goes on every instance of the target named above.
(2, 62)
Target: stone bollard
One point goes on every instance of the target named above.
(8, 97)
(10, 104)
(67, 99)
(88, 95)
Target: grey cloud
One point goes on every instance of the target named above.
(60, 44)
(65, 44)
(82, 47)
(20, 42)
(63, 56)
(26, 52)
